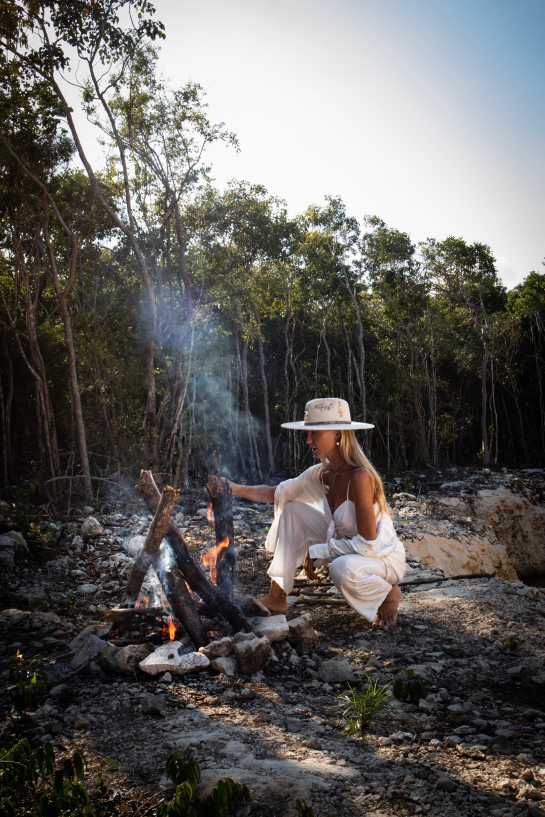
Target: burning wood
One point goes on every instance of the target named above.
(169, 575)
(223, 558)
(151, 546)
(192, 573)
(210, 559)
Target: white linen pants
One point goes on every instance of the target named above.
(360, 579)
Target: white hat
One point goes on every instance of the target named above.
(331, 413)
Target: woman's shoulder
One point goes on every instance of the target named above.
(361, 479)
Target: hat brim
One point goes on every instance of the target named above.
(300, 425)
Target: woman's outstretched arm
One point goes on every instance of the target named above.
(255, 493)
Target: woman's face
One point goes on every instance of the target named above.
(322, 443)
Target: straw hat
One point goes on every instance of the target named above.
(331, 413)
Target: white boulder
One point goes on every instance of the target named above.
(276, 628)
(166, 658)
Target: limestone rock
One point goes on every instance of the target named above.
(7, 562)
(92, 527)
(167, 659)
(301, 627)
(129, 657)
(518, 524)
(306, 646)
(77, 542)
(239, 637)
(253, 655)
(251, 606)
(458, 556)
(445, 784)
(94, 649)
(154, 705)
(226, 664)
(87, 589)
(275, 627)
(218, 649)
(18, 539)
(336, 671)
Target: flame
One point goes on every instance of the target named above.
(210, 558)
(209, 513)
(142, 601)
(169, 631)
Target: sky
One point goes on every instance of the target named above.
(427, 113)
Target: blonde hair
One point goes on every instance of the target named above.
(352, 453)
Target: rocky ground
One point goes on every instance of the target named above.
(474, 745)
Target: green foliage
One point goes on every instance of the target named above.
(32, 783)
(225, 799)
(411, 688)
(364, 705)
(513, 642)
(27, 679)
(23, 512)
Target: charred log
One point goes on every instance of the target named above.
(191, 572)
(169, 575)
(221, 497)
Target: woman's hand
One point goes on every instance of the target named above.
(308, 567)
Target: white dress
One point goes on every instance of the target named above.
(363, 570)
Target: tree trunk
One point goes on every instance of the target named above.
(4, 437)
(9, 400)
(270, 451)
(255, 469)
(70, 350)
(484, 400)
(361, 346)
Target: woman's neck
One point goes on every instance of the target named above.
(336, 461)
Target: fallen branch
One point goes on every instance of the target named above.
(129, 616)
(192, 573)
(448, 579)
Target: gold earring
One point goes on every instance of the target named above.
(337, 443)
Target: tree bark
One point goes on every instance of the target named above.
(260, 350)
(221, 497)
(192, 573)
(170, 577)
(152, 544)
(62, 294)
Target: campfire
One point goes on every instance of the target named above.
(211, 557)
(186, 587)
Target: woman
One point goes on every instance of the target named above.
(335, 513)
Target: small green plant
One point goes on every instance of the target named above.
(408, 485)
(31, 783)
(70, 600)
(226, 798)
(411, 688)
(364, 705)
(513, 642)
(23, 513)
(304, 810)
(349, 631)
(27, 678)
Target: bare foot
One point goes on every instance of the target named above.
(387, 612)
(276, 601)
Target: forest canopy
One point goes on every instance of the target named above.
(149, 319)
